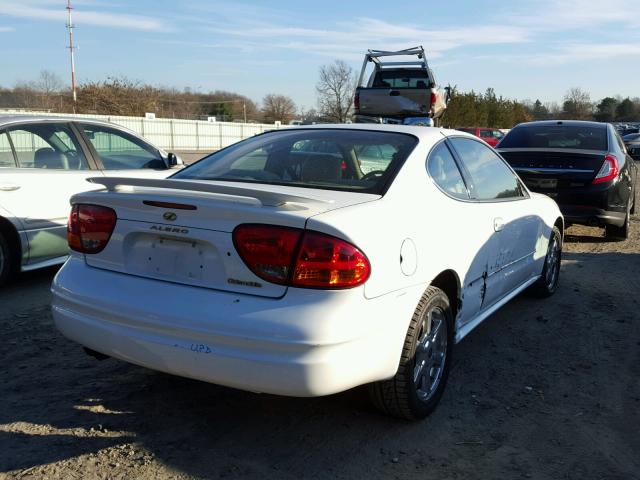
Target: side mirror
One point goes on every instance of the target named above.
(174, 160)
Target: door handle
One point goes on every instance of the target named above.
(394, 93)
(498, 224)
(8, 187)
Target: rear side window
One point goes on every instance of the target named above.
(401, 79)
(490, 176)
(335, 159)
(6, 153)
(557, 136)
(47, 146)
(120, 151)
(444, 171)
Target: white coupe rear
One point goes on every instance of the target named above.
(308, 261)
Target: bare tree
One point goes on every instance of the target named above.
(49, 87)
(577, 105)
(278, 108)
(335, 91)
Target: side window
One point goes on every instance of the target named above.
(6, 153)
(444, 171)
(121, 151)
(50, 146)
(253, 161)
(374, 157)
(486, 133)
(491, 178)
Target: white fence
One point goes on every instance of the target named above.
(179, 135)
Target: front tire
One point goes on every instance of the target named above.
(416, 388)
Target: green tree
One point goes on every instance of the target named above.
(606, 110)
(626, 111)
(539, 111)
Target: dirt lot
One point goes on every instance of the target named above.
(543, 389)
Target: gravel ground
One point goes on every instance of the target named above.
(542, 389)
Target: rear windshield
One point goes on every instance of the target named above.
(556, 136)
(401, 79)
(350, 160)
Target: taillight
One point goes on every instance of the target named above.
(356, 100)
(301, 258)
(324, 261)
(267, 250)
(434, 98)
(608, 171)
(90, 227)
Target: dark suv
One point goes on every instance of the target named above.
(584, 166)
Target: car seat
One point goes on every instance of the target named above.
(50, 159)
(321, 168)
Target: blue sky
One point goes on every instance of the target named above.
(524, 50)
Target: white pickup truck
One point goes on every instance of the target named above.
(400, 91)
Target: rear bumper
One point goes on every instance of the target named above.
(594, 205)
(310, 343)
(587, 215)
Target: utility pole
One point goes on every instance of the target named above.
(71, 50)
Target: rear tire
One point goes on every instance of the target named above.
(548, 282)
(416, 388)
(611, 232)
(7, 262)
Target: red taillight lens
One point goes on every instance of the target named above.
(301, 258)
(267, 250)
(90, 227)
(434, 98)
(328, 262)
(356, 101)
(608, 171)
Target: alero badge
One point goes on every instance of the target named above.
(169, 216)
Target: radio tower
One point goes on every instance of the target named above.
(71, 50)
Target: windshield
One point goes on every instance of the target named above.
(334, 159)
(556, 136)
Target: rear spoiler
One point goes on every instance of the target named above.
(225, 192)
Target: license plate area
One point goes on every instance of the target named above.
(183, 260)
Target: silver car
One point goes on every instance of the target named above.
(46, 160)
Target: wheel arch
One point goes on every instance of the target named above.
(449, 282)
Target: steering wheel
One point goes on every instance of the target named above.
(372, 174)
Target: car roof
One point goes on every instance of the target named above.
(564, 123)
(6, 119)
(423, 133)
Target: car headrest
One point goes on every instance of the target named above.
(320, 168)
(48, 158)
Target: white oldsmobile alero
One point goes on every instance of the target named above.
(308, 261)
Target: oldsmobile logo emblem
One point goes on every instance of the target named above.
(169, 216)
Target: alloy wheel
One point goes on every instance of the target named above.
(431, 354)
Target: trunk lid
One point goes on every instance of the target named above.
(548, 170)
(181, 230)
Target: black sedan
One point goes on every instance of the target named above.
(582, 165)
